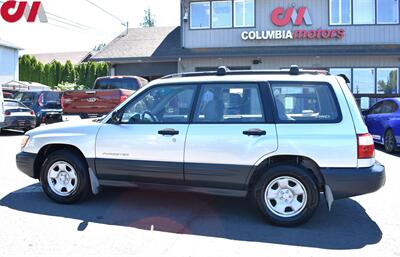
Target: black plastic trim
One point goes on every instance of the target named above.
(25, 163)
(348, 182)
(139, 171)
(217, 175)
(176, 188)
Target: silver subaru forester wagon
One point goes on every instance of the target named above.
(283, 137)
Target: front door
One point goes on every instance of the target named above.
(228, 135)
(148, 144)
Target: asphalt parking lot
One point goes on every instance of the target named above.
(130, 222)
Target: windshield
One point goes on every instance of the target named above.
(117, 83)
(25, 97)
(12, 104)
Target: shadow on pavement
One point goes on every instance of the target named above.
(346, 227)
(11, 133)
(382, 149)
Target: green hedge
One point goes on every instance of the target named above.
(56, 74)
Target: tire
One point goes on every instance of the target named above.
(290, 203)
(390, 141)
(65, 178)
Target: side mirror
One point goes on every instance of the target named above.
(116, 117)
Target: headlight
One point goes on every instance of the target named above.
(25, 141)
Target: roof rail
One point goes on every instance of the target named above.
(223, 70)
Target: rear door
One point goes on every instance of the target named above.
(313, 120)
(229, 133)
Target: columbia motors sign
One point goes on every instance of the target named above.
(13, 11)
(281, 17)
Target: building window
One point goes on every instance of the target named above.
(388, 11)
(222, 14)
(364, 11)
(364, 81)
(342, 71)
(200, 15)
(244, 13)
(387, 80)
(340, 12)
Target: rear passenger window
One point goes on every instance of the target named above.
(305, 103)
(229, 103)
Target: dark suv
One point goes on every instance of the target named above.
(45, 104)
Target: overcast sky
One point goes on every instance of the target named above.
(59, 37)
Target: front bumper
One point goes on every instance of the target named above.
(26, 163)
(348, 182)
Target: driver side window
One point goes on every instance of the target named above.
(162, 104)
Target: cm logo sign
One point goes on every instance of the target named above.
(12, 11)
(282, 17)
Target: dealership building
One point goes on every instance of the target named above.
(358, 38)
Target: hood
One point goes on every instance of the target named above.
(73, 127)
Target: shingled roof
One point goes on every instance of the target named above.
(74, 57)
(164, 44)
(141, 43)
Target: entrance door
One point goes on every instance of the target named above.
(228, 135)
(148, 144)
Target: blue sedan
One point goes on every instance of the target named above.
(383, 121)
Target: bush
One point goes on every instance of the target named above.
(57, 76)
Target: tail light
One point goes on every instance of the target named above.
(7, 113)
(122, 98)
(366, 147)
(62, 101)
(41, 100)
(32, 113)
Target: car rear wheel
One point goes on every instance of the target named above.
(64, 177)
(390, 141)
(287, 195)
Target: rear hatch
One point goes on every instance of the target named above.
(108, 93)
(92, 103)
(50, 100)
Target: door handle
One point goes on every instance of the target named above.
(168, 132)
(254, 132)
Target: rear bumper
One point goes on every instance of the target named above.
(18, 122)
(49, 117)
(26, 163)
(348, 182)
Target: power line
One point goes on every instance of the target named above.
(104, 10)
(74, 22)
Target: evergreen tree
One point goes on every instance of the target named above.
(46, 74)
(58, 73)
(91, 74)
(148, 19)
(39, 73)
(52, 79)
(34, 74)
(68, 73)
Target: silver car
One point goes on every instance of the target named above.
(283, 137)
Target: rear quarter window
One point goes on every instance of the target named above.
(303, 102)
(117, 83)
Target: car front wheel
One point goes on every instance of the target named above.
(65, 178)
(287, 195)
